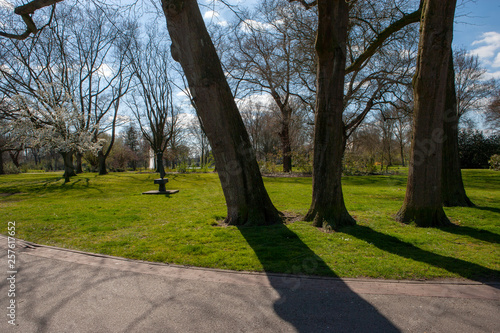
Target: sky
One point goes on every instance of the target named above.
(477, 29)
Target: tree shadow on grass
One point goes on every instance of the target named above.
(480, 234)
(396, 246)
(490, 209)
(310, 304)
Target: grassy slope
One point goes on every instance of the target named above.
(109, 215)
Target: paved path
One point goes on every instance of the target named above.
(60, 290)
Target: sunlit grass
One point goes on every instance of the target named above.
(109, 215)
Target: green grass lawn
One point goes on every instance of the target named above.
(109, 215)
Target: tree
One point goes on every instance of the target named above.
(50, 118)
(200, 140)
(268, 59)
(98, 59)
(152, 98)
(493, 111)
(83, 53)
(423, 199)
(453, 190)
(247, 200)
(327, 208)
(131, 139)
(26, 11)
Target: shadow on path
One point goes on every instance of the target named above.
(308, 303)
(396, 246)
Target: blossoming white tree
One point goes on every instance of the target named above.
(50, 118)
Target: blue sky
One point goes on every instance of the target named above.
(477, 28)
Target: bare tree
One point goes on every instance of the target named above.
(267, 59)
(493, 111)
(25, 12)
(423, 199)
(152, 98)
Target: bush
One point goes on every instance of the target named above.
(495, 162)
(302, 161)
(358, 164)
(10, 168)
(475, 149)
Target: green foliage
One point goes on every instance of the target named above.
(109, 215)
(302, 161)
(268, 167)
(358, 164)
(10, 168)
(495, 162)
(182, 167)
(475, 149)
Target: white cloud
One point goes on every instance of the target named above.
(252, 24)
(496, 62)
(489, 51)
(105, 70)
(494, 75)
(209, 15)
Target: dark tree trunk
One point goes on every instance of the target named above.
(78, 168)
(402, 154)
(69, 169)
(2, 171)
(101, 162)
(246, 197)
(14, 156)
(327, 208)
(286, 147)
(159, 164)
(452, 185)
(423, 199)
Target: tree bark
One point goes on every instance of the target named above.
(101, 162)
(78, 168)
(286, 147)
(328, 208)
(159, 164)
(2, 171)
(452, 184)
(246, 197)
(423, 199)
(69, 169)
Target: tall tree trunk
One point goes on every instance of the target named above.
(286, 147)
(452, 185)
(69, 169)
(423, 199)
(101, 162)
(78, 168)
(328, 208)
(159, 164)
(2, 171)
(246, 197)
(402, 154)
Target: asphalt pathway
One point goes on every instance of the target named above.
(59, 290)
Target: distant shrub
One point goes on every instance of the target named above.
(10, 168)
(358, 164)
(475, 149)
(495, 162)
(302, 161)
